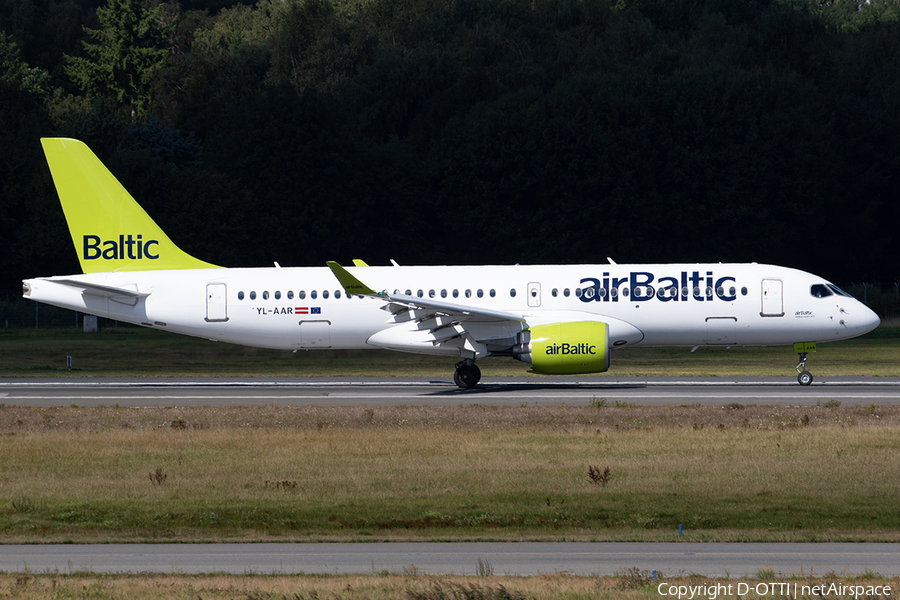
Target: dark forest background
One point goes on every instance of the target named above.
(465, 131)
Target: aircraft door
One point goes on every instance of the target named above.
(534, 294)
(772, 298)
(216, 303)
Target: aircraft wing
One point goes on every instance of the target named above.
(459, 311)
(401, 302)
(431, 326)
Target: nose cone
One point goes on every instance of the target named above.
(854, 318)
(869, 319)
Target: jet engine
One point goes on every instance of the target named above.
(565, 348)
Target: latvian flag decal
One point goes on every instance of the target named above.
(308, 310)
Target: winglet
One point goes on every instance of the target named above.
(358, 262)
(351, 284)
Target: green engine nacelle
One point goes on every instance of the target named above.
(565, 348)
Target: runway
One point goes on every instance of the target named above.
(735, 560)
(547, 391)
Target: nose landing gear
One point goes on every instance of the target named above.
(802, 349)
(804, 376)
(467, 374)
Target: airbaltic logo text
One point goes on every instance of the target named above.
(642, 286)
(571, 349)
(127, 247)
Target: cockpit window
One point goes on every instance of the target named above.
(839, 291)
(819, 290)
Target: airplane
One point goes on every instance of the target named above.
(560, 319)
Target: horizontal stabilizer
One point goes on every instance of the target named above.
(106, 291)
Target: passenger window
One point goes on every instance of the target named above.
(566, 292)
(431, 293)
(468, 293)
(625, 292)
(603, 292)
(578, 292)
(512, 293)
(554, 293)
(337, 293)
(409, 292)
(684, 292)
(277, 295)
(480, 293)
(743, 291)
(443, 293)
(265, 295)
(493, 293)
(290, 295)
(456, 293)
(312, 294)
(301, 294)
(420, 294)
(253, 295)
(240, 295)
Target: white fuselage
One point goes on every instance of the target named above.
(644, 305)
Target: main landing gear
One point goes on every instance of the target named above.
(467, 374)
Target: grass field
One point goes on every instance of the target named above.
(135, 352)
(630, 585)
(456, 473)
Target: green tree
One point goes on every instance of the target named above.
(129, 47)
(16, 72)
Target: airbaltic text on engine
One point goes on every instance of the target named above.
(668, 289)
(571, 349)
(126, 247)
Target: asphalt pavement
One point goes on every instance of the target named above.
(388, 391)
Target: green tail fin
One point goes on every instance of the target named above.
(110, 230)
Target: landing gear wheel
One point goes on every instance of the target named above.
(804, 376)
(466, 375)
